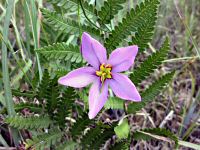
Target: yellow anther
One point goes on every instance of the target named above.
(104, 72)
(99, 73)
(102, 67)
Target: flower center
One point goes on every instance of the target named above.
(104, 72)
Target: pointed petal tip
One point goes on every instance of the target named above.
(85, 34)
(90, 116)
(138, 99)
(60, 81)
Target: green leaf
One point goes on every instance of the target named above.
(64, 105)
(91, 135)
(109, 9)
(106, 134)
(43, 86)
(66, 25)
(68, 4)
(122, 130)
(121, 145)
(132, 22)
(97, 136)
(29, 122)
(155, 131)
(51, 97)
(114, 103)
(80, 125)
(61, 51)
(150, 64)
(144, 33)
(68, 145)
(30, 106)
(149, 94)
(44, 140)
(27, 94)
(36, 108)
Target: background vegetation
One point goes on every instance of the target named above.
(44, 114)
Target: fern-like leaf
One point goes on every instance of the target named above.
(29, 122)
(61, 51)
(109, 9)
(132, 22)
(20, 106)
(66, 25)
(52, 97)
(96, 137)
(121, 145)
(36, 108)
(91, 136)
(80, 125)
(43, 86)
(68, 4)
(68, 145)
(155, 131)
(149, 94)
(150, 64)
(103, 137)
(27, 94)
(144, 33)
(44, 140)
(65, 105)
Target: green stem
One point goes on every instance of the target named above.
(87, 16)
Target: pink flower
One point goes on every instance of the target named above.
(103, 73)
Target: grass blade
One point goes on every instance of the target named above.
(6, 80)
(35, 29)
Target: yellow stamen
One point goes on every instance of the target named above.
(104, 72)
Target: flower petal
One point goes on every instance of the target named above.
(93, 52)
(123, 58)
(124, 88)
(97, 97)
(78, 78)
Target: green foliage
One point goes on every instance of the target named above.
(144, 33)
(149, 94)
(121, 145)
(97, 136)
(20, 106)
(122, 130)
(36, 108)
(27, 94)
(44, 140)
(28, 122)
(51, 96)
(132, 22)
(43, 86)
(90, 137)
(114, 103)
(65, 104)
(56, 103)
(155, 131)
(106, 134)
(150, 64)
(109, 9)
(68, 145)
(67, 4)
(80, 125)
(66, 25)
(61, 51)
